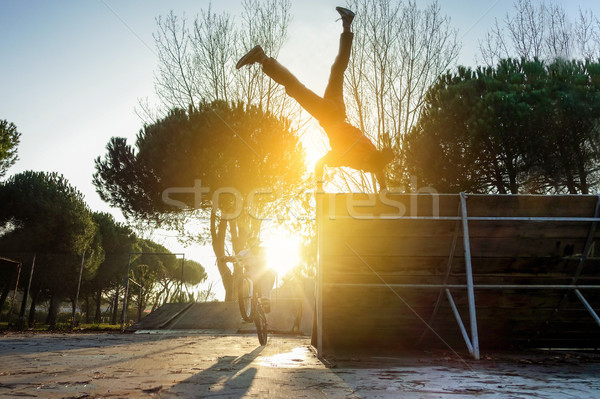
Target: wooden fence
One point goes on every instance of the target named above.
(456, 271)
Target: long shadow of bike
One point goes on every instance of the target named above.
(229, 376)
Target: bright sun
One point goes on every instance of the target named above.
(283, 253)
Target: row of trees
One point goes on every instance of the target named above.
(521, 127)
(45, 219)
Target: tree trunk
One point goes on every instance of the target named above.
(157, 299)
(88, 319)
(35, 293)
(217, 234)
(583, 184)
(4, 295)
(140, 306)
(115, 309)
(167, 293)
(571, 184)
(52, 311)
(74, 311)
(98, 315)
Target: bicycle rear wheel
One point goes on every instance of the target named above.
(260, 321)
(245, 298)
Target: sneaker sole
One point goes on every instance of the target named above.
(248, 58)
(345, 13)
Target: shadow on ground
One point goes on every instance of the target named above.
(229, 374)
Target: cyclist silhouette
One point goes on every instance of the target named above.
(254, 258)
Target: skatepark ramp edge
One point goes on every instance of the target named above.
(456, 270)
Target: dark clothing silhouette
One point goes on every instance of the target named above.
(349, 146)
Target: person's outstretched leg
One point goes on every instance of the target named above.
(335, 87)
(293, 87)
(347, 17)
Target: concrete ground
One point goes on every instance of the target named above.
(186, 364)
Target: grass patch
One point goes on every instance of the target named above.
(66, 327)
(99, 327)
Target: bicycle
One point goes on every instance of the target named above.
(251, 308)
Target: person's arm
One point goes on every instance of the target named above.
(231, 259)
(329, 160)
(381, 180)
(320, 165)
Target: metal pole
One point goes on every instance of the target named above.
(588, 307)
(319, 293)
(446, 277)
(181, 281)
(475, 286)
(77, 292)
(533, 219)
(124, 313)
(25, 294)
(469, 273)
(463, 331)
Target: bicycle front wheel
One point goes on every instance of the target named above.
(260, 321)
(245, 298)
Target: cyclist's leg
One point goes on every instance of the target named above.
(268, 280)
(265, 284)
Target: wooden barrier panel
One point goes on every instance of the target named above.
(392, 267)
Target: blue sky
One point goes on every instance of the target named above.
(71, 72)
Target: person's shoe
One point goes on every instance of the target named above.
(347, 15)
(266, 304)
(255, 55)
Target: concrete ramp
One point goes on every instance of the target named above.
(287, 316)
(160, 317)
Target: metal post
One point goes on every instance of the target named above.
(463, 331)
(124, 313)
(181, 281)
(319, 290)
(446, 277)
(588, 307)
(469, 273)
(77, 292)
(475, 286)
(25, 294)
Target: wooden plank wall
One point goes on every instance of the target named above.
(360, 242)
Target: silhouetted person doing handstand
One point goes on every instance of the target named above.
(349, 146)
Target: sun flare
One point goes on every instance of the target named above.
(283, 253)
